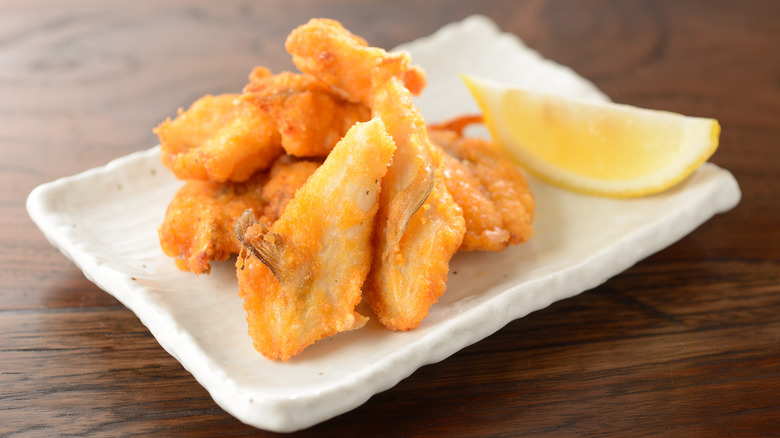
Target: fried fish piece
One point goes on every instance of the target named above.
(286, 176)
(497, 204)
(309, 117)
(328, 51)
(419, 225)
(199, 221)
(301, 278)
(219, 138)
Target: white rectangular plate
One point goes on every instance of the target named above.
(106, 221)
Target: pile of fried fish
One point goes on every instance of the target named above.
(331, 189)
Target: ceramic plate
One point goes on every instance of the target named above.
(106, 221)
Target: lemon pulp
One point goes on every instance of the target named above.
(595, 147)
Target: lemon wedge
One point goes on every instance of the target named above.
(600, 148)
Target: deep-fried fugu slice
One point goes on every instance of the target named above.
(198, 224)
(328, 51)
(419, 226)
(310, 118)
(198, 227)
(219, 138)
(285, 178)
(486, 183)
(301, 278)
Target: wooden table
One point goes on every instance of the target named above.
(687, 342)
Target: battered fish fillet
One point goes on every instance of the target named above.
(325, 49)
(310, 118)
(263, 82)
(198, 225)
(219, 138)
(286, 177)
(302, 278)
(484, 181)
(413, 246)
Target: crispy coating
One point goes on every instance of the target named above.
(219, 138)
(302, 281)
(198, 225)
(325, 49)
(286, 177)
(310, 118)
(263, 82)
(199, 222)
(412, 253)
(497, 203)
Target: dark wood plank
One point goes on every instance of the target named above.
(684, 343)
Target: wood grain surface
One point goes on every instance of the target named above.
(687, 342)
